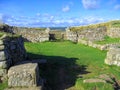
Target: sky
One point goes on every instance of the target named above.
(58, 13)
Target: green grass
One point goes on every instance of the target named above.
(115, 23)
(108, 40)
(69, 64)
(3, 85)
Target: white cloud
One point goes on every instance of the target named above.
(117, 7)
(49, 20)
(38, 14)
(66, 8)
(90, 4)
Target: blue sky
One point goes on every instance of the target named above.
(54, 13)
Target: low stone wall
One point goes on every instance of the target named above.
(90, 34)
(114, 32)
(11, 51)
(113, 56)
(32, 34)
(98, 46)
(29, 34)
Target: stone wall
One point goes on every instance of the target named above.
(113, 56)
(29, 34)
(94, 32)
(114, 32)
(70, 35)
(32, 35)
(57, 35)
(90, 34)
(11, 51)
(6, 28)
(98, 46)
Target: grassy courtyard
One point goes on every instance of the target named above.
(68, 64)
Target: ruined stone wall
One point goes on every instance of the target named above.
(90, 34)
(98, 46)
(114, 32)
(70, 35)
(29, 34)
(32, 34)
(57, 35)
(11, 51)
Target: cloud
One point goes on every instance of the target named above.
(47, 20)
(117, 7)
(38, 14)
(90, 4)
(66, 8)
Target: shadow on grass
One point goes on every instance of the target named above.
(59, 72)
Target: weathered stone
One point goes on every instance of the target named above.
(2, 47)
(3, 72)
(103, 47)
(2, 55)
(1, 42)
(94, 80)
(113, 56)
(105, 77)
(4, 77)
(25, 88)
(114, 32)
(3, 64)
(25, 74)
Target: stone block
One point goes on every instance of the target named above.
(2, 55)
(94, 80)
(3, 72)
(113, 56)
(2, 47)
(1, 42)
(3, 64)
(25, 74)
(25, 88)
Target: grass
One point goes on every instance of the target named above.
(115, 23)
(3, 85)
(108, 40)
(1, 34)
(69, 64)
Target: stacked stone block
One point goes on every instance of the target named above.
(11, 51)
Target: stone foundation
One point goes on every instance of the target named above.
(113, 56)
(98, 46)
